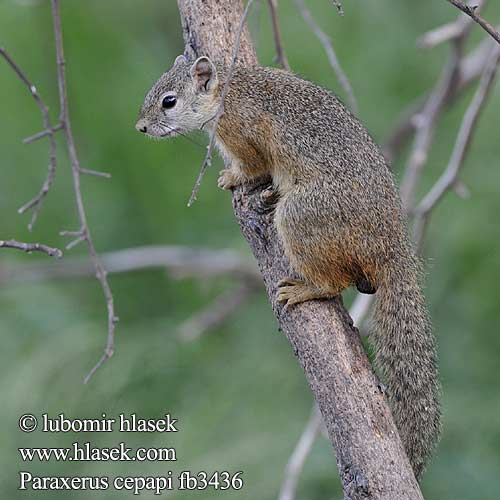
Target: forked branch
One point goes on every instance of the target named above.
(36, 202)
(82, 234)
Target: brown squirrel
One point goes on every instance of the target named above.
(338, 214)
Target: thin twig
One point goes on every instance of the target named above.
(216, 313)
(472, 12)
(36, 202)
(179, 261)
(220, 110)
(425, 124)
(450, 31)
(76, 170)
(95, 173)
(330, 52)
(300, 453)
(471, 68)
(450, 175)
(281, 58)
(42, 134)
(31, 247)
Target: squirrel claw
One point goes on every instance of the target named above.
(227, 179)
(289, 281)
(288, 296)
(292, 291)
(269, 196)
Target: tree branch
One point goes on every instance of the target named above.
(472, 12)
(281, 58)
(36, 202)
(31, 247)
(470, 69)
(425, 122)
(216, 313)
(179, 261)
(299, 456)
(220, 110)
(449, 177)
(450, 31)
(330, 52)
(83, 234)
(372, 463)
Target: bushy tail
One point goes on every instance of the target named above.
(406, 356)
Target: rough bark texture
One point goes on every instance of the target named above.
(370, 457)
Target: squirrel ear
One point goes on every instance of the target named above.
(204, 74)
(180, 59)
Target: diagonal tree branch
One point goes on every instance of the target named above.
(330, 52)
(370, 457)
(470, 69)
(299, 456)
(281, 58)
(471, 10)
(449, 177)
(220, 110)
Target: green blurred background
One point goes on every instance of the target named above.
(238, 392)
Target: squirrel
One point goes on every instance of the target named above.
(338, 213)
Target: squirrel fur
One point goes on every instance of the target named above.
(338, 213)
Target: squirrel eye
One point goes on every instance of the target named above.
(169, 101)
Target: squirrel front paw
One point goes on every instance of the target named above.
(227, 179)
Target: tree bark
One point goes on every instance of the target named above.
(370, 457)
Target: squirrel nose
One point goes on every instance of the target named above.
(141, 126)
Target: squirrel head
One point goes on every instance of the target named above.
(183, 99)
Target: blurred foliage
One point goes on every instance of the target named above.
(239, 394)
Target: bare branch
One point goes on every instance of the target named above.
(320, 332)
(471, 68)
(450, 176)
(299, 456)
(31, 247)
(440, 35)
(361, 305)
(36, 202)
(217, 312)
(76, 171)
(42, 134)
(220, 110)
(281, 58)
(472, 12)
(75, 242)
(95, 173)
(450, 31)
(180, 261)
(330, 52)
(358, 312)
(425, 124)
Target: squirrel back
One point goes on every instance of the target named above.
(338, 215)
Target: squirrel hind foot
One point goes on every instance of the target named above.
(292, 291)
